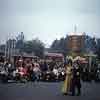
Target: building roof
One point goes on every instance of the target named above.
(75, 34)
(26, 55)
(54, 54)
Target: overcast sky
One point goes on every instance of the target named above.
(48, 19)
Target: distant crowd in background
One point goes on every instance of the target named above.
(31, 70)
(24, 70)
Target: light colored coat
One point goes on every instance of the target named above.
(67, 82)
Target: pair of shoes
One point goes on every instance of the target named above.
(78, 94)
(65, 93)
(72, 94)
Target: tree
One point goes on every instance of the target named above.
(98, 48)
(28, 47)
(2, 47)
(60, 45)
(20, 42)
(34, 46)
(90, 44)
(55, 44)
(38, 48)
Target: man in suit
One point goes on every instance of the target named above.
(76, 84)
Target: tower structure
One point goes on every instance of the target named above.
(76, 42)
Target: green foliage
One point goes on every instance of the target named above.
(60, 45)
(89, 45)
(2, 47)
(98, 48)
(34, 46)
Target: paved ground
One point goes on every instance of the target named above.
(46, 91)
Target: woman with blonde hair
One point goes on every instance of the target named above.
(68, 79)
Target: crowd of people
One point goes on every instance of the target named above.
(32, 70)
(24, 70)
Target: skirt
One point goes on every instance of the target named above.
(66, 85)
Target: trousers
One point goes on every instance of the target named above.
(76, 84)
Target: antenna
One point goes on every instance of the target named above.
(93, 35)
(75, 28)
